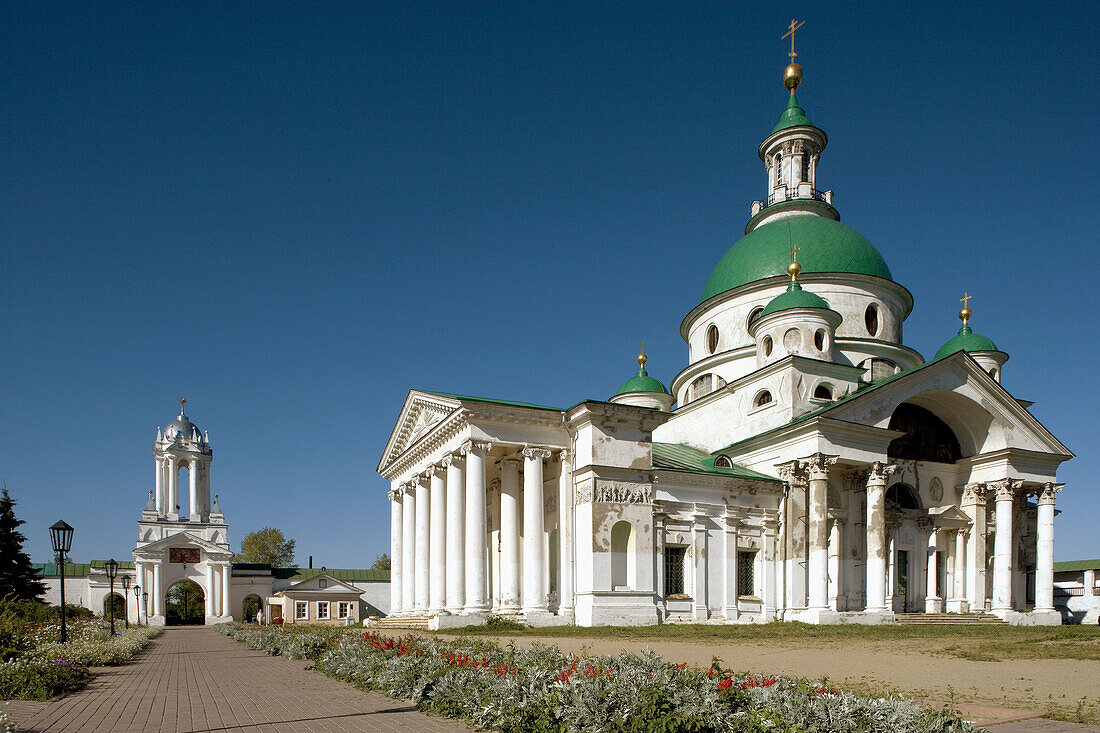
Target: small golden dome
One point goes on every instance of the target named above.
(641, 360)
(794, 269)
(964, 315)
(792, 76)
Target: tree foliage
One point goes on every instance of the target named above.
(267, 545)
(17, 578)
(382, 562)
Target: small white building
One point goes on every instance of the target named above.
(1076, 593)
(815, 468)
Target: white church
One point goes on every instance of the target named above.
(804, 465)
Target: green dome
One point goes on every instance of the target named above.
(793, 116)
(642, 382)
(794, 297)
(824, 246)
(966, 340)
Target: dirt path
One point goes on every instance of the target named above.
(874, 666)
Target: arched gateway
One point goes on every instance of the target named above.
(182, 544)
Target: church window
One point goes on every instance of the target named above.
(870, 319)
(754, 316)
(702, 386)
(779, 170)
(722, 462)
(819, 339)
(805, 167)
(792, 340)
(712, 338)
(322, 610)
(301, 610)
(746, 576)
(343, 609)
(674, 569)
(623, 556)
(767, 344)
(764, 398)
(926, 438)
(822, 392)
(902, 495)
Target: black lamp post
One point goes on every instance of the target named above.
(126, 599)
(112, 571)
(61, 537)
(145, 603)
(137, 602)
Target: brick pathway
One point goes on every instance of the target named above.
(194, 680)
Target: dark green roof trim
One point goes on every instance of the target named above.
(679, 457)
(490, 401)
(73, 569)
(1068, 566)
(344, 574)
(966, 340)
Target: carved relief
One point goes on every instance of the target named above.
(1046, 494)
(584, 492)
(818, 465)
(935, 489)
(879, 472)
(621, 492)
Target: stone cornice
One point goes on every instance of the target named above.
(446, 430)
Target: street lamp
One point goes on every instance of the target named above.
(112, 571)
(145, 603)
(61, 537)
(126, 599)
(137, 601)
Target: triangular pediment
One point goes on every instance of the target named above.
(949, 514)
(314, 585)
(421, 413)
(182, 539)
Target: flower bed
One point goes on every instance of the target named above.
(541, 689)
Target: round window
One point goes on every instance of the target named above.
(754, 316)
(792, 340)
(870, 317)
(712, 338)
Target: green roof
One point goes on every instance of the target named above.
(794, 297)
(344, 574)
(966, 340)
(73, 569)
(824, 246)
(1076, 565)
(793, 116)
(490, 401)
(642, 382)
(679, 457)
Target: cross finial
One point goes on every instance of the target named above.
(965, 313)
(641, 357)
(795, 25)
(964, 300)
(794, 253)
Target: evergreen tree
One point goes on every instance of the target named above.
(17, 578)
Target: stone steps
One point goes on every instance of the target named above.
(979, 618)
(401, 622)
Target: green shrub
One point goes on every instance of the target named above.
(38, 679)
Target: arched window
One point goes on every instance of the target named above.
(764, 398)
(779, 169)
(823, 392)
(903, 496)
(767, 343)
(754, 315)
(723, 462)
(805, 167)
(927, 438)
(712, 338)
(870, 319)
(623, 556)
(993, 373)
(819, 339)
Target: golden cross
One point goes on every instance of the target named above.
(183, 401)
(964, 300)
(794, 253)
(643, 347)
(795, 25)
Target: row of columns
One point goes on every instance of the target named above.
(218, 580)
(167, 494)
(438, 531)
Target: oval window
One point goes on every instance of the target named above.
(767, 343)
(712, 338)
(792, 340)
(762, 399)
(819, 339)
(754, 316)
(870, 317)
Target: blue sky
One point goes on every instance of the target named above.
(292, 213)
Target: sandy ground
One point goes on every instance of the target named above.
(1047, 685)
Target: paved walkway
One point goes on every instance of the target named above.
(195, 680)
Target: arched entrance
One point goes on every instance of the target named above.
(118, 602)
(252, 604)
(185, 603)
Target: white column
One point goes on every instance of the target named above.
(456, 533)
(408, 549)
(1002, 545)
(835, 564)
(210, 589)
(396, 550)
(974, 506)
(960, 569)
(818, 534)
(423, 570)
(509, 534)
(534, 562)
(1044, 549)
(770, 566)
(157, 600)
(566, 547)
(227, 600)
(173, 487)
(476, 507)
(437, 552)
(876, 535)
(160, 487)
(932, 592)
(193, 490)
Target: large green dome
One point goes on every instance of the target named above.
(824, 245)
(642, 382)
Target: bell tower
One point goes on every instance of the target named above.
(182, 445)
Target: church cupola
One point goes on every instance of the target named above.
(980, 348)
(642, 390)
(795, 322)
(181, 445)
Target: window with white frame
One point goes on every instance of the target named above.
(343, 609)
(322, 610)
(301, 610)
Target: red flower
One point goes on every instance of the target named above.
(725, 684)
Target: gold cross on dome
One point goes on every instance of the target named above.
(964, 300)
(183, 401)
(794, 253)
(795, 25)
(643, 347)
